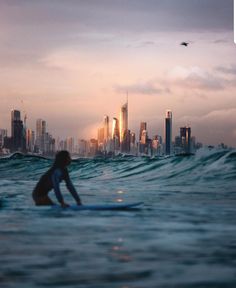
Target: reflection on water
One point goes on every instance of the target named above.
(184, 236)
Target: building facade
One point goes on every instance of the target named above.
(168, 132)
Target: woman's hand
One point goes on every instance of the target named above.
(65, 205)
(79, 203)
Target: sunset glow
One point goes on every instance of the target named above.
(75, 64)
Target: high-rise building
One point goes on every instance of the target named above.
(115, 134)
(168, 132)
(158, 137)
(41, 135)
(49, 144)
(125, 144)
(124, 132)
(193, 143)
(15, 116)
(17, 131)
(143, 126)
(132, 139)
(143, 142)
(61, 145)
(178, 141)
(93, 147)
(115, 129)
(70, 144)
(3, 134)
(100, 136)
(82, 147)
(157, 145)
(123, 121)
(144, 137)
(43, 127)
(133, 146)
(39, 132)
(30, 140)
(106, 127)
(185, 135)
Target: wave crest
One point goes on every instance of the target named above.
(204, 165)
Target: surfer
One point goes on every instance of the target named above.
(51, 180)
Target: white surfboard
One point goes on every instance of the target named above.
(115, 206)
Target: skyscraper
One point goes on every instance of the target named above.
(132, 139)
(38, 129)
(106, 127)
(143, 142)
(70, 144)
(41, 134)
(101, 136)
(143, 126)
(123, 120)
(115, 134)
(144, 137)
(3, 134)
(185, 135)
(17, 131)
(115, 129)
(93, 147)
(82, 147)
(168, 132)
(125, 145)
(15, 116)
(30, 140)
(133, 148)
(124, 132)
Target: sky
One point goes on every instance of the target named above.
(70, 62)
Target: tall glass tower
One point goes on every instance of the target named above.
(168, 132)
(17, 131)
(15, 116)
(106, 127)
(115, 129)
(143, 126)
(185, 136)
(41, 134)
(123, 121)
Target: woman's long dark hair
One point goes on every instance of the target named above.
(61, 159)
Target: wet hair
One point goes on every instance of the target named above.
(61, 159)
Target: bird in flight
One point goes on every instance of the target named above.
(184, 44)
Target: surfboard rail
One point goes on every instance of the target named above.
(112, 206)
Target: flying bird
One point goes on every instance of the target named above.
(184, 44)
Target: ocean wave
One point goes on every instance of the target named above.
(204, 165)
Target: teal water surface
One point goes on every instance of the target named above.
(184, 235)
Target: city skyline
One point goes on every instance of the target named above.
(86, 55)
(109, 142)
(111, 128)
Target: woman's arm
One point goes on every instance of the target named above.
(56, 176)
(71, 188)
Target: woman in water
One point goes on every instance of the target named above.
(51, 180)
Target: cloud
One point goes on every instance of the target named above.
(146, 88)
(132, 15)
(220, 41)
(213, 127)
(190, 78)
(195, 78)
(51, 50)
(64, 59)
(231, 70)
(217, 117)
(146, 43)
(222, 115)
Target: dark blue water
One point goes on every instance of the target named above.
(184, 236)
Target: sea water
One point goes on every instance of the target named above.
(184, 235)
